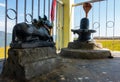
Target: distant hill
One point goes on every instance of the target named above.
(2, 38)
(108, 38)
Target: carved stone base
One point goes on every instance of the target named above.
(85, 50)
(85, 54)
(84, 45)
(28, 63)
(32, 44)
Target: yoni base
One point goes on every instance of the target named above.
(89, 45)
(85, 54)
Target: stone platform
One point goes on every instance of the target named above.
(85, 50)
(91, 45)
(29, 63)
(81, 70)
(85, 54)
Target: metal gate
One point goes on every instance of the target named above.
(104, 18)
(16, 11)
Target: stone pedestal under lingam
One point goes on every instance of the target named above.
(85, 47)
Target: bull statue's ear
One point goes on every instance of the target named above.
(40, 18)
(45, 17)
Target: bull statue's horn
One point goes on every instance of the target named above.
(45, 17)
(40, 17)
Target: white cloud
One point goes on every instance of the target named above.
(10, 25)
(2, 4)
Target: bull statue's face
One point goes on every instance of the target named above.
(44, 21)
(47, 22)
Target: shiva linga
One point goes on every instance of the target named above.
(85, 47)
(84, 32)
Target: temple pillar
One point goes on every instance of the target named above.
(68, 24)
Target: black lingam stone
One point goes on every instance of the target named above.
(84, 32)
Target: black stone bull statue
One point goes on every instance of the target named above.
(32, 35)
(39, 30)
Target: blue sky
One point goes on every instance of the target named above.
(11, 3)
(78, 11)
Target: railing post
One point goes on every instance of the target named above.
(5, 46)
(67, 21)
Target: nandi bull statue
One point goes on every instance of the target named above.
(36, 34)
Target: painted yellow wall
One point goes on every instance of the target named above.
(67, 37)
(59, 30)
